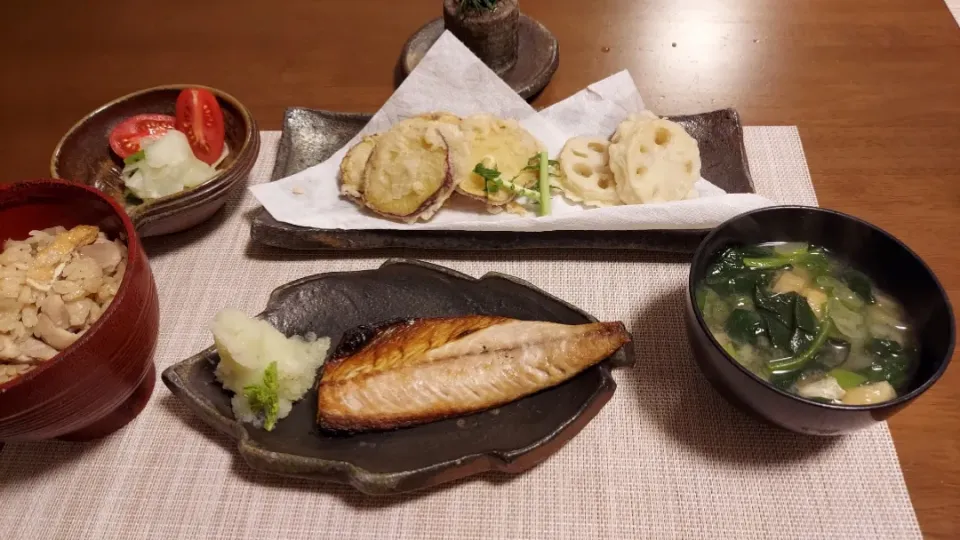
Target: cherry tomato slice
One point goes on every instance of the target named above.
(199, 117)
(126, 137)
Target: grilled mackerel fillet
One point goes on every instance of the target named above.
(421, 370)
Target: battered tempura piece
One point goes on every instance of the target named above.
(586, 176)
(501, 144)
(352, 166)
(412, 169)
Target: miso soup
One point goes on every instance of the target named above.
(801, 319)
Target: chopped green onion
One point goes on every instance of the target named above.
(494, 183)
(519, 190)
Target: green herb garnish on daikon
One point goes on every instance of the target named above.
(264, 397)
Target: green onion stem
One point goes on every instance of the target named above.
(544, 184)
(510, 186)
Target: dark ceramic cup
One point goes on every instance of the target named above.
(101, 382)
(892, 265)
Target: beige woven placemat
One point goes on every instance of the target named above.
(666, 458)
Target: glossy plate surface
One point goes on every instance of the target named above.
(512, 438)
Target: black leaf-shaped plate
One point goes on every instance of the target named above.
(512, 438)
(311, 136)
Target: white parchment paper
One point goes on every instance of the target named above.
(451, 78)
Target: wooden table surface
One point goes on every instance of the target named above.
(873, 86)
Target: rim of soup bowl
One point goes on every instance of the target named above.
(700, 254)
(134, 250)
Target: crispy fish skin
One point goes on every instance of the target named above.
(429, 369)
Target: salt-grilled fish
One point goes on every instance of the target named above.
(421, 370)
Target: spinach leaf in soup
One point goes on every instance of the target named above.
(741, 301)
(792, 254)
(800, 340)
(728, 275)
(859, 284)
(803, 316)
(778, 332)
(737, 283)
(731, 260)
(776, 257)
(744, 326)
(891, 362)
(816, 262)
(829, 323)
(781, 305)
(801, 359)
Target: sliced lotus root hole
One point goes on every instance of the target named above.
(642, 149)
(596, 147)
(583, 169)
(641, 170)
(580, 154)
(603, 183)
(662, 136)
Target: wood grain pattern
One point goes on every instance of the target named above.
(873, 86)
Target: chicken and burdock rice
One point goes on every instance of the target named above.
(53, 286)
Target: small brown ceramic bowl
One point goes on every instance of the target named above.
(83, 155)
(102, 381)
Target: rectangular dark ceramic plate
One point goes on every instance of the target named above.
(311, 136)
